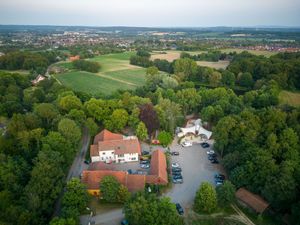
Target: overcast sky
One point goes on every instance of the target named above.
(195, 13)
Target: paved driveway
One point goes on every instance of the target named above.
(196, 168)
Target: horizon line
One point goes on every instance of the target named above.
(133, 26)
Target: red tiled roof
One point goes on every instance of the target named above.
(94, 150)
(120, 146)
(101, 166)
(159, 167)
(135, 182)
(93, 178)
(106, 135)
(107, 140)
(252, 200)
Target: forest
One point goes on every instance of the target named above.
(42, 125)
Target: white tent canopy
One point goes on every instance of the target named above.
(196, 130)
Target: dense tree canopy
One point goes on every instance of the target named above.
(149, 209)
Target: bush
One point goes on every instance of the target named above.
(165, 138)
(88, 66)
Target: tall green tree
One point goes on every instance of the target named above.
(75, 198)
(151, 210)
(226, 193)
(141, 131)
(206, 199)
(109, 188)
(69, 129)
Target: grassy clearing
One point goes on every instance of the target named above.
(101, 207)
(254, 52)
(222, 64)
(223, 217)
(171, 55)
(135, 76)
(289, 98)
(115, 73)
(91, 83)
(23, 72)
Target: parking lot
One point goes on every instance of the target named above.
(196, 168)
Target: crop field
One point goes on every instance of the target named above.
(254, 52)
(170, 55)
(221, 64)
(290, 98)
(115, 73)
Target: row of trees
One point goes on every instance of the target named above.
(38, 61)
(85, 65)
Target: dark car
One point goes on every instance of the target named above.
(176, 173)
(179, 176)
(124, 222)
(176, 169)
(145, 153)
(174, 153)
(212, 156)
(219, 176)
(144, 162)
(177, 181)
(129, 171)
(214, 161)
(87, 161)
(179, 209)
(205, 145)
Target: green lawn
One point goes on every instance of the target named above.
(115, 73)
(91, 83)
(289, 98)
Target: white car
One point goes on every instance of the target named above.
(186, 144)
(175, 165)
(210, 152)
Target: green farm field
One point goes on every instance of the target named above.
(115, 73)
(254, 52)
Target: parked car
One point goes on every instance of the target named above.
(129, 171)
(179, 209)
(186, 144)
(174, 153)
(219, 183)
(177, 181)
(145, 153)
(212, 156)
(205, 145)
(175, 165)
(87, 161)
(179, 176)
(178, 169)
(144, 162)
(124, 222)
(210, 152)
(214, 161)
(145, 166)
(176, 173)
(219, 176)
